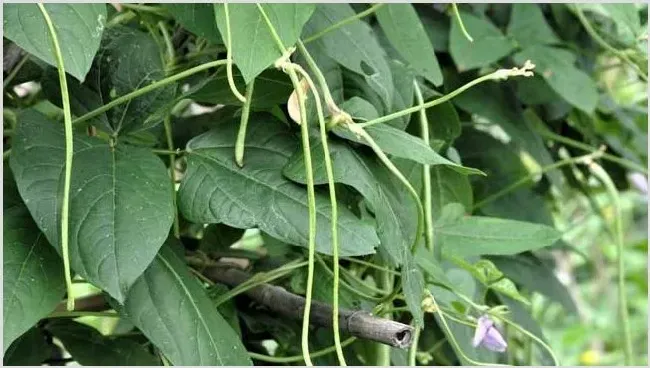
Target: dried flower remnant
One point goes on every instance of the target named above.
(488, 336)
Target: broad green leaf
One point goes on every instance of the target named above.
(476, 235)
(437, 27)
(489, 44)
(253, 46)
(198, 18)
(625, 16)
(430, 266)
(216, 190)
(444, 123)
(413, 286)
(78, 28)
(528, 26)
(411, 42)
(31, 348)
(32, 281)
(227, 309)
(354, 46)
(272, 87)
(130, 59)
(532, 274)
(116, 227)
(535, 91)
(394, 210)
(169, 306)
(573, 84)
(396, 142)
(404, 92)
(87, 346)
(449, 186)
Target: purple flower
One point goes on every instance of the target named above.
(639, 181)
(488, 336)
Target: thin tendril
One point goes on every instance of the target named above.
(460, 23)
(231, 80)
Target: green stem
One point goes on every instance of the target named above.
(169, 46)
(345, 21)
(369, 264)
(146, 9)
(144, 90)
(334, 204)
(385, 281)
(15, 71)
(243, 124)
(67, 115)
(491, 198)
(120, 18)
(359, 131)
(327, 95)
(345, 285)
(414, 346)
(579, 145)
(426, 173)
(231, 80)
(172, 171)
(311, 195)
(167, 152)
(492, 76)
(592, 32)
(602, 175)
(460, 22)
(299, 358)
(77, 314)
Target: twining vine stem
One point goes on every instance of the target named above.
(67, 116)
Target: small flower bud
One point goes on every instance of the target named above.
(488, 336)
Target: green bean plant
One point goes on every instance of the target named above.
(236, 184)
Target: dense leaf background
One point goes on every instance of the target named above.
(156, 195)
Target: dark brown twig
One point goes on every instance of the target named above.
(357, 323)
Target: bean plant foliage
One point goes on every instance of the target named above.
(403, 160)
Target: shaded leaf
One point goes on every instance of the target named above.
(272, 87)
(116, 228)
(413, 286)
(491, 277)
(31, 348)
(411, 42)
(528, 26)
(354, 46)
(489, 44)
(534, 275)
(78, 28)
(449, 186)
(87, 346)
(404, 93)
(216, 190)
(219, 237)
(444, 123)
(254, 48)
(169, 306)
(32, 281)
(198, 18)
(555, 66)
(394, 210)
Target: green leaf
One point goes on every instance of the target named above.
(216, 190)
(78, 28)
(625, 16)
(528, 271)
(437, 27)
(411, 42)
(116, 227)
(535, 91)
(403, 95)
(31, 348)
(130, 59)
(394, 210)
(444, 123)
(354, 46)
(413, 286)
(87, 346)
(227, 309)
(491, 277)
(253, 47)
(272, 87)
(198, 18)
(476, 235)
(449, 186)
(169, 306)
(556, 66)
(528, 26)
(489, 44)
(394, 141)
(33, 273)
